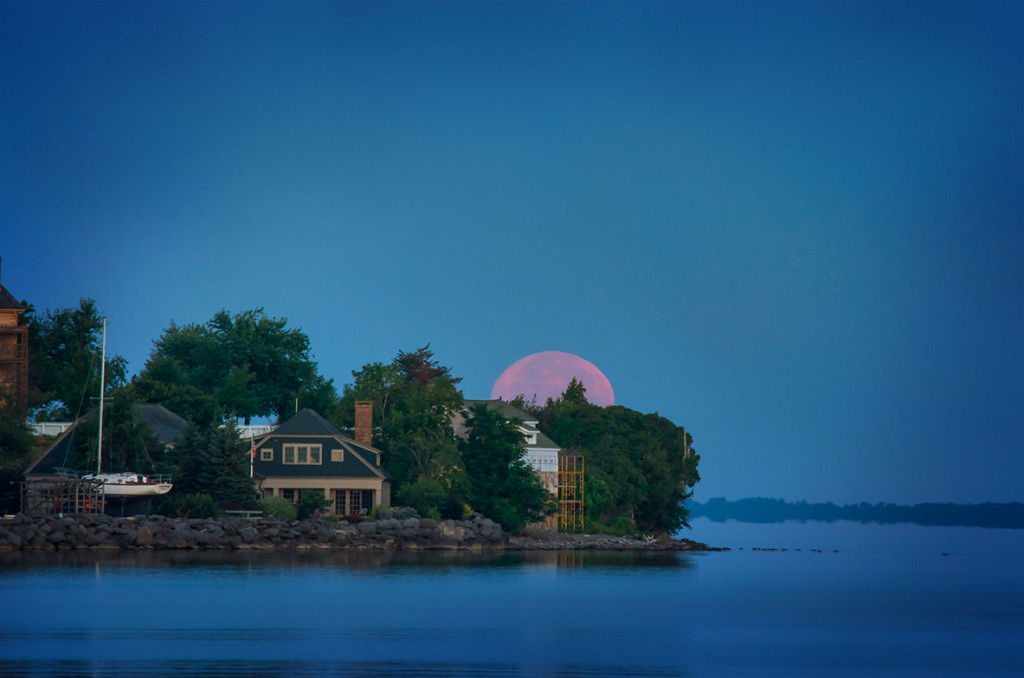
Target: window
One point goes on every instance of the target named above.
(288, 494)
(302, 454)
(266, 454)
(338, 455)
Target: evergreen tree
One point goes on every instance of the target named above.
(502, 486)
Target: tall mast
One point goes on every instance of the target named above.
(103, 378)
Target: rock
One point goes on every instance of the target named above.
(248, 534)
(144, 537)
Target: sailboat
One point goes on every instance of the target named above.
(122, 485)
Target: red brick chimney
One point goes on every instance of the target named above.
(364, 422)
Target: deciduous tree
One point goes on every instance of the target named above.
(65, 350)
(250, 364)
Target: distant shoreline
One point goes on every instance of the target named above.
(762, 510)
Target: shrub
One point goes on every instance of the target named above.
(197, 506)
(622, 526)
(354, 518)
(278, 506)
(381, 512)
(311, 504)
(404, 513)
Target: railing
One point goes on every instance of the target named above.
(246, 431)
(50, 428)
(251, 515)
(14, 352)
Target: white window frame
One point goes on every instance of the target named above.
(302, 455)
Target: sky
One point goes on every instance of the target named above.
(795, 228)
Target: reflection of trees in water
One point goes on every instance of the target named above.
(432, 562)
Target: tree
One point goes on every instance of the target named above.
(249, 364)
(65, 348)
(502, 485)
(16, 441)
(414, 399)
(214, 461)
(129, 444)
(641, 465)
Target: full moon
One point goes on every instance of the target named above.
(547, 374)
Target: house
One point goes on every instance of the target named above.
(167, 426)
(308, 454)
(13, 356)
(48, 477)
(541, 452)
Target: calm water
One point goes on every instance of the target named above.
(887, 603)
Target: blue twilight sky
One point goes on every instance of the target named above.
(796, 228)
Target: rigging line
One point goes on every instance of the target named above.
(78, 412)
(137, 430)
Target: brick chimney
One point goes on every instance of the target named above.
(364, 422)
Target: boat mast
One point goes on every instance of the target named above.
(103, 377)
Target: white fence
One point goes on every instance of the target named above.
(50, 428)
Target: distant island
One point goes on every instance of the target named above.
(762, 510)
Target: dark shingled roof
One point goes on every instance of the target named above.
(7, 299)
(308, 423)
(166, 424)
(511, 412)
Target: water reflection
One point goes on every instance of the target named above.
(434, 562)
(302, 669)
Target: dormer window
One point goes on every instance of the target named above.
(302, 455)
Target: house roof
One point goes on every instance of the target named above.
(166, 424)
(307, 422)
(510, 412)
(7, 300)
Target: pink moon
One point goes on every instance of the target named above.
(546, 375)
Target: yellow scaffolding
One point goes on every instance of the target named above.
(570, 493)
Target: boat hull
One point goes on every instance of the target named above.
(136, 489)
(130, 485)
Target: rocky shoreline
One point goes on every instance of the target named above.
(95, 532)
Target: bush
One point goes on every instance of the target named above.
(622, 526)
(424, 494)
(278, 506)
(404, 513)
(311, 503)
(354, 518)
(197, 506)
(381, 512)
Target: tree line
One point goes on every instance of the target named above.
(762, 510)
(640, 467)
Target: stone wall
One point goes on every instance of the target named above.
(101, 532)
